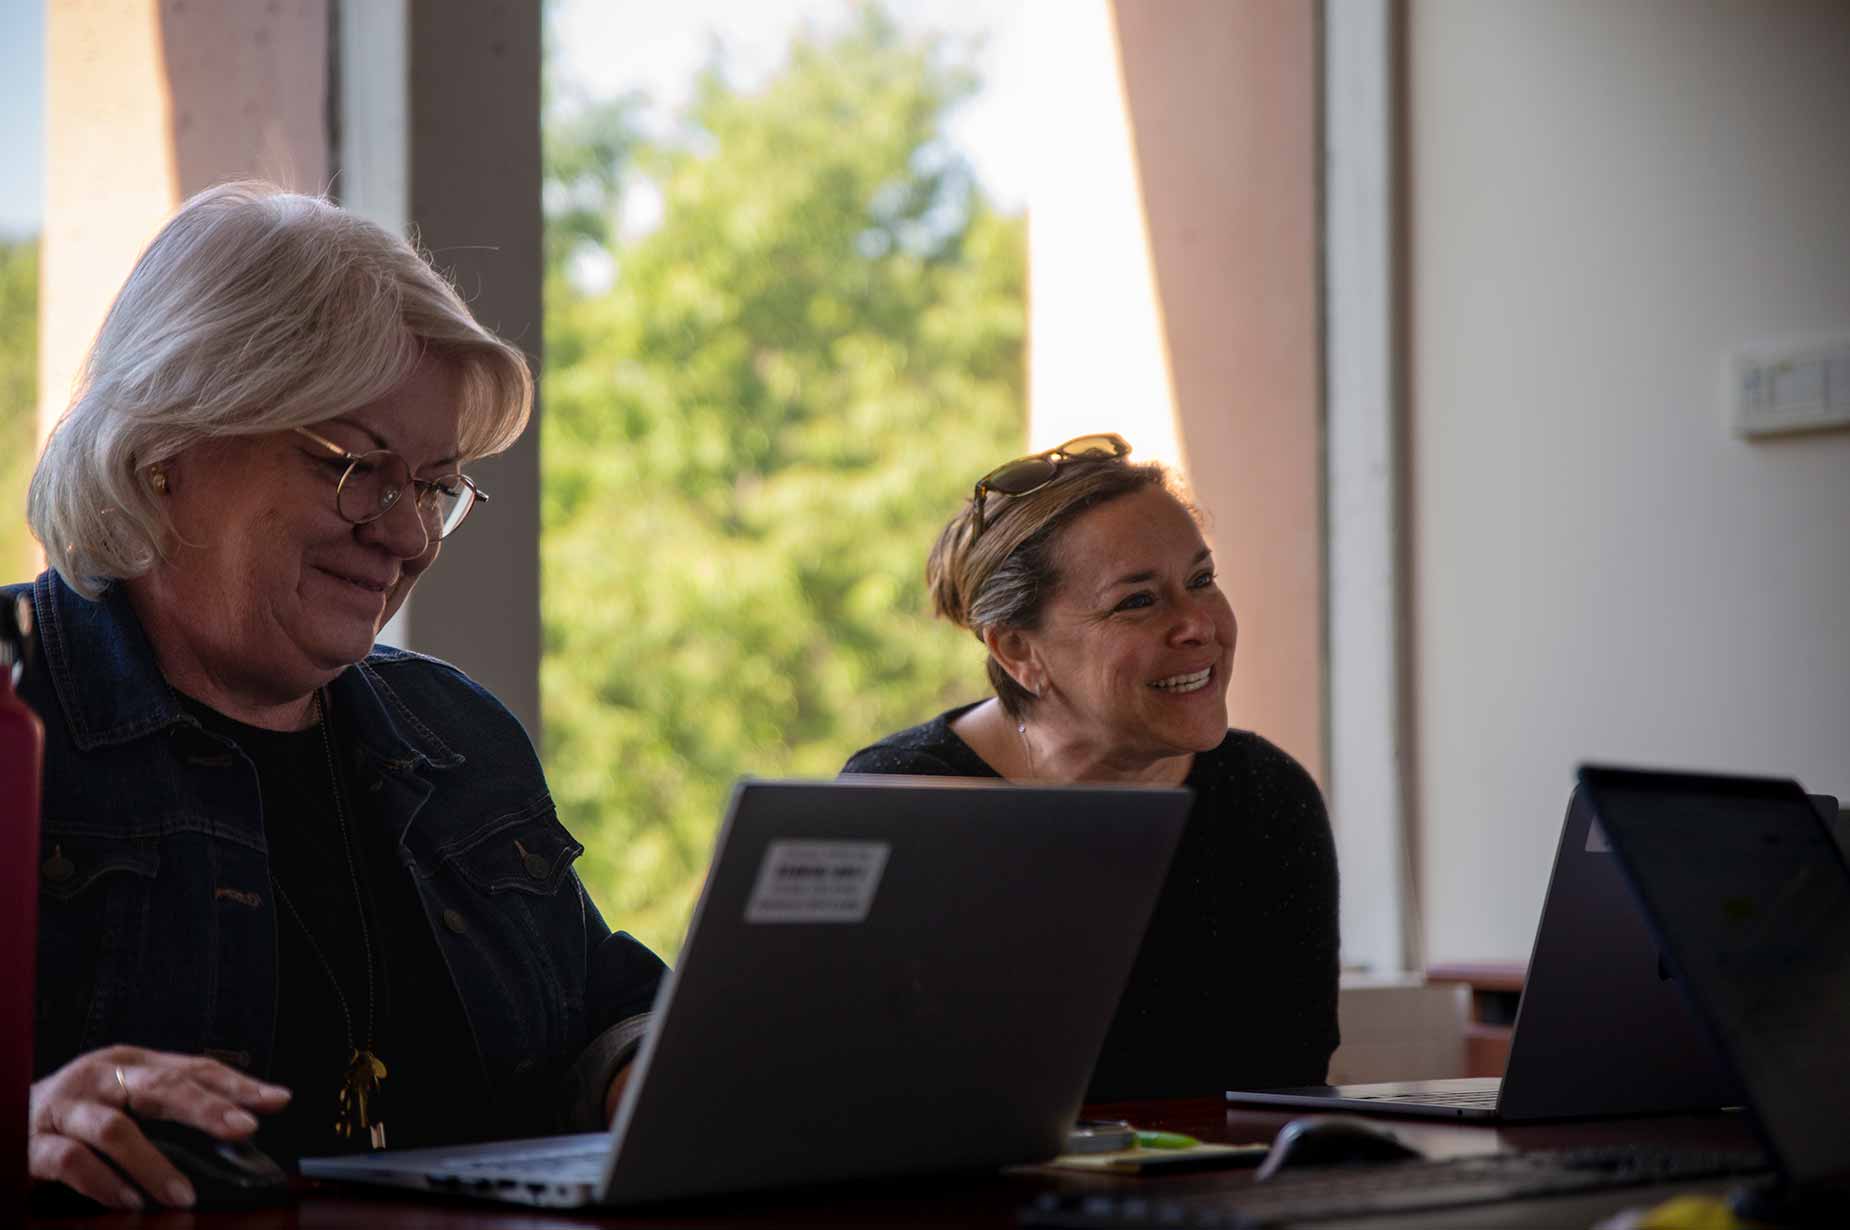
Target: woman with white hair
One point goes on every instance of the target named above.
(293, 885)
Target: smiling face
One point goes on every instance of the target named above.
(1133, 652)
(267, 592)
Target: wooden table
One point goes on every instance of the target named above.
(992, 1200)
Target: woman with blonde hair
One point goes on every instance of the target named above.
(277, 859)
(1087, 580)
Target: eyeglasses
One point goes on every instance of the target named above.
(1029, 474)
(373, 483)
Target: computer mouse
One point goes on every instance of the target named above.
(224, 1173)
(1332, 1140)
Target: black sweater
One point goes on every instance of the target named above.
(1235, 984)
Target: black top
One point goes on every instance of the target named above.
(434, 1090)
(1235, 984)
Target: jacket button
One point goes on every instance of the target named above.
(454, 921)
(536, 866)
(57, 867)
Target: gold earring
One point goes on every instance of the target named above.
(157, 478)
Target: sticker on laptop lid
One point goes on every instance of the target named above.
(817, 881)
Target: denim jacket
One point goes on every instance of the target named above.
(157, 925)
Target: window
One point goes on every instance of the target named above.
(22, 56)
(785, 327)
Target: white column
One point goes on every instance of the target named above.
(1368, 754)
(372, 146)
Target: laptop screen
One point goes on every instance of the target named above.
(1751, 900)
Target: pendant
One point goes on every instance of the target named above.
(357, 1109)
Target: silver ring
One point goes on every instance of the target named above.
(122, 1084)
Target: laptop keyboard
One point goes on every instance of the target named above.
(577, 1164)
(1322, 1192)
(1483, 1099)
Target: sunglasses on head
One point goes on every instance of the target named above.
(1029, 474)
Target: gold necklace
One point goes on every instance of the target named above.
(354, 1113)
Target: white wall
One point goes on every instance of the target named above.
(1605, 200)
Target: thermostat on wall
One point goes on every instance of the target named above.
(1779, 389)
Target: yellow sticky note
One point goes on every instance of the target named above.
(1680, 1213)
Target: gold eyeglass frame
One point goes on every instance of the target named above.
(1117, 448)
(421, 486)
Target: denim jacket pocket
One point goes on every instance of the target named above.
(71, 864)
(511, 918)
(95, 895)
(528, 852)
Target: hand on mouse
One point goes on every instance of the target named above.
(88, 1108)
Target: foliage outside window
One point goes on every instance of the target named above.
(19, 369)
(751, 436)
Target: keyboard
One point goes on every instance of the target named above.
(573, 1163)
(1475, 1099)
(1317, 1193)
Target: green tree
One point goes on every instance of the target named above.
(751, 439)
(19, 375)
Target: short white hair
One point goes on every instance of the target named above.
(254, 310)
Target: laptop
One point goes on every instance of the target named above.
(882, 976)
(1745, 889)
(1743, 884)
(1601, 1028)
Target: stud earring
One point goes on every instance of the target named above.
(157, 479)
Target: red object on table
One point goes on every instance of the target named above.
(22, 757)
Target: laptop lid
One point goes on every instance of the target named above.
(1600, 1028)
(1747, 891)
(890, 975)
